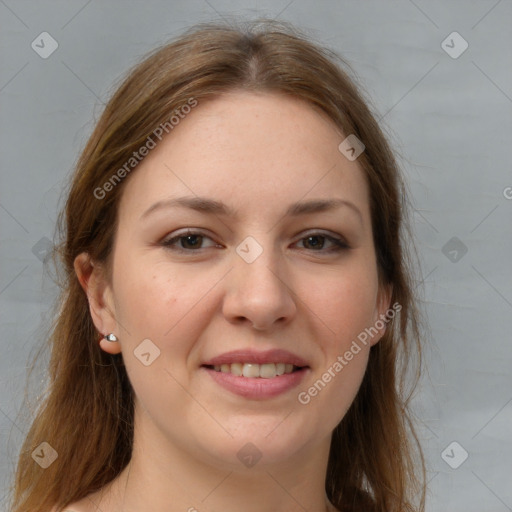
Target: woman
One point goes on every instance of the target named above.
(236, 296)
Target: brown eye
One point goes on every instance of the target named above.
(316, 242)
(186, 242)
(190, 241)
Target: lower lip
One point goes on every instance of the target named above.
(258, 388)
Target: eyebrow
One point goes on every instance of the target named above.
(212, 206)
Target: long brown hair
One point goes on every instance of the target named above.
(375, 462)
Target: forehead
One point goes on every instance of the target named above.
(248, 150)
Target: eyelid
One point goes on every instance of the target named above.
(321, 232)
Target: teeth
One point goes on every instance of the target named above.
(268, 371)
(236, 369)
(251, 370)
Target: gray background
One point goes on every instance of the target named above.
(449, 118)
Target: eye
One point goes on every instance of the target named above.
(316, 242)
(192, 241)
(188, 241)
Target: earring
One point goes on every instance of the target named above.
(110, 337)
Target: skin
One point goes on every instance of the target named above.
(257, 153)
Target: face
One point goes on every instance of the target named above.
(257, 272)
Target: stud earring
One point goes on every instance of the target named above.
(110, 337)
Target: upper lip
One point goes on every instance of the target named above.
(255, 357)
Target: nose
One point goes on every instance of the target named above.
(259, 293)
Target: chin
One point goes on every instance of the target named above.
(258, 442)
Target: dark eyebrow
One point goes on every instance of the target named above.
(206, 205)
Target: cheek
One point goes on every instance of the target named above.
(346, 304)
(151, 297)
(159, 304)
(169, 304)
(343, 302)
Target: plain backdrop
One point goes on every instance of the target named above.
(447, 110)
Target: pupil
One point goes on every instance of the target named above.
(193, 237)
(313, 238)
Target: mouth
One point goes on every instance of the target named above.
(256, 375)
(254, 370)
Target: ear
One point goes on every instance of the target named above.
(95, 284)
(383, 306)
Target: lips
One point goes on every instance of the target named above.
(257, 375)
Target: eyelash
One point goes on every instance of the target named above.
(339, 244)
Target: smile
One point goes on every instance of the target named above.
(257, 375)
(252, 370)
